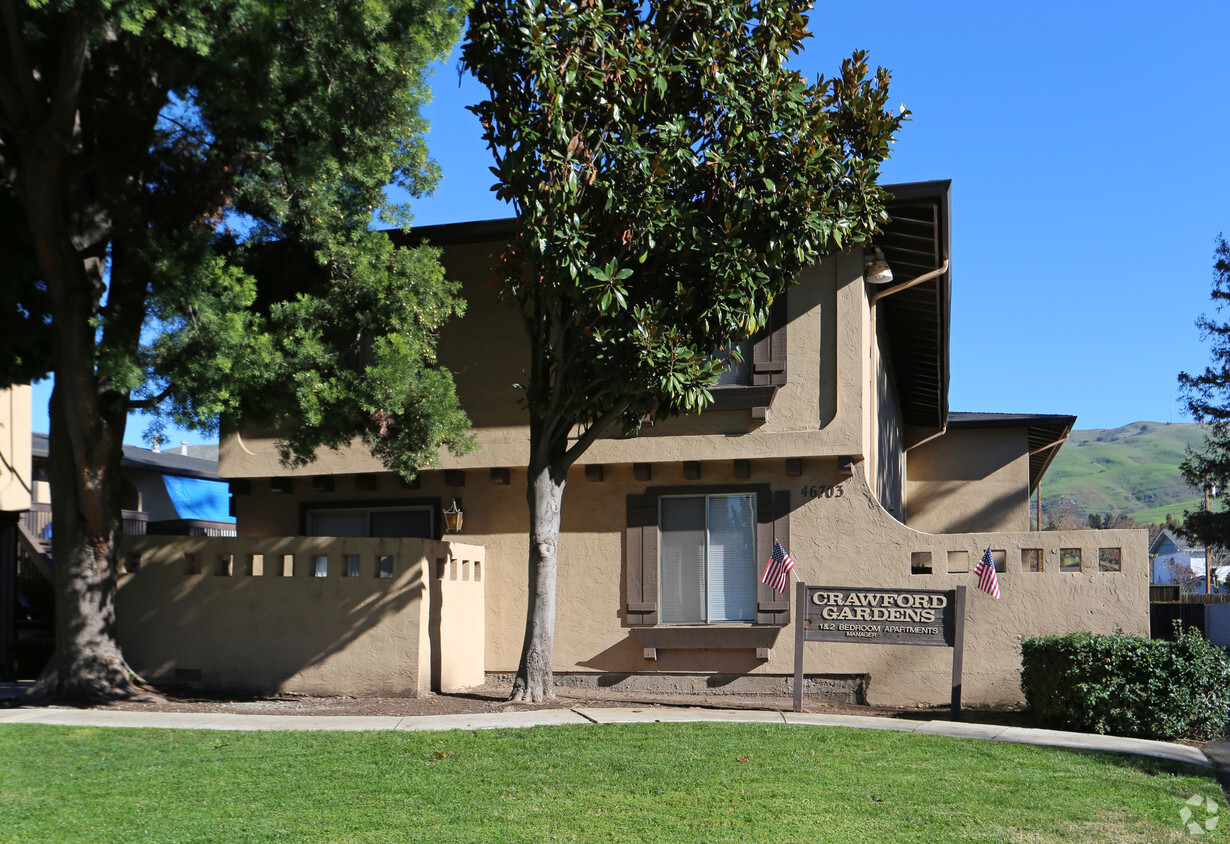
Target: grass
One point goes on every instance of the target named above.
(656, 782)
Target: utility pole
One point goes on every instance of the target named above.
(1208, 557)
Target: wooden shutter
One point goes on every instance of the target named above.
(773, 523)
(642, 560)
(769, 352)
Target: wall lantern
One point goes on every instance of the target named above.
(452, 518)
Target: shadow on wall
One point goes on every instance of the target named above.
(318, 615)
(1009, 510)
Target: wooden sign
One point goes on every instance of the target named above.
(867, 616)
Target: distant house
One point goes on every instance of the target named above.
(1177, 562)
(166, 493)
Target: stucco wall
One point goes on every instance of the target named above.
(843, 539)
(16, 483)
(969, 480)
(235, 614)
(819, 411)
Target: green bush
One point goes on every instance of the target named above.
(1127, 685)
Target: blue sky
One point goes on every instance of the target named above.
(1084, 141)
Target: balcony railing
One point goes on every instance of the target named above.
(37, 522)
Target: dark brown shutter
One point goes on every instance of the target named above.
(642, 560)
(769, 352)
(773, 519)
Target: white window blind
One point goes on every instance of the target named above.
(732, 565)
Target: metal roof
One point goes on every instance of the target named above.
(135, 457)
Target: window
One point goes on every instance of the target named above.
(692, 555)
(707, 558)
(1110, 559)
(738, 373)
(958, 562)
(1031, 559)
(372, 521)
(1070, 559)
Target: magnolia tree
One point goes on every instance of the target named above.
(671, 176)
(149, 152)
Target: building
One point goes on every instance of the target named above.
(836, 440)
(1177, 562)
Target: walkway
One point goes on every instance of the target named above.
(587, 715)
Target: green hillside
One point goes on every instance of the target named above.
(1133, 470)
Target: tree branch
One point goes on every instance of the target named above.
(587, 437)
(22, 98)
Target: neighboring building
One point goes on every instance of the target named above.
(1176, 562)
(165, 493)
(835, 440)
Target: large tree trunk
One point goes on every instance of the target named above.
(87, 527)
(88, 414)
(545, 493)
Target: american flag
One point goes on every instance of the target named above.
(985, 570)
(777, 570)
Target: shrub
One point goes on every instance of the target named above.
(1127, 685)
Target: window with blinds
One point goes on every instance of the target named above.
(707, 565)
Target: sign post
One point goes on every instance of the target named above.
(866, 616)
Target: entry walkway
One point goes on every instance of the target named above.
(588, 715)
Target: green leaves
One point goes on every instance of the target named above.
(671, 178)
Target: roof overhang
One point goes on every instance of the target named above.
(916, 243)
(1047, 432)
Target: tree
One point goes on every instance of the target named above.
(671, 177)
(1206, 397)
(150, 152)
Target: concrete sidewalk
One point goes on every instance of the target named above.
(588, 715)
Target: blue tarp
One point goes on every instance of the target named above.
(198, 498)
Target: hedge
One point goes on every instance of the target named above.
(1128, 685)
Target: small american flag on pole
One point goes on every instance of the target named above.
(777, 570)
(985, 572)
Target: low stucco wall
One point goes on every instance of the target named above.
(839, 536)
(250, 614)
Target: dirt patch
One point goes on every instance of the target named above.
(494, 698)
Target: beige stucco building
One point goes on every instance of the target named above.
(836, 440)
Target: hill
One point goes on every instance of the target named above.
(1133, 470)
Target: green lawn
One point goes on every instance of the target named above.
(656, 782)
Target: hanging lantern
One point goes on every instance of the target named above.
(452, 518)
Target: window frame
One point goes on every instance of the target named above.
(767, 365)
(641, 600)
(369, 506)
(708, 556)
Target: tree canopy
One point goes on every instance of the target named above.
(671, 175)
(1206, 396)
(151, 154)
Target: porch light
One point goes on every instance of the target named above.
(875, 268)
(452, 518)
